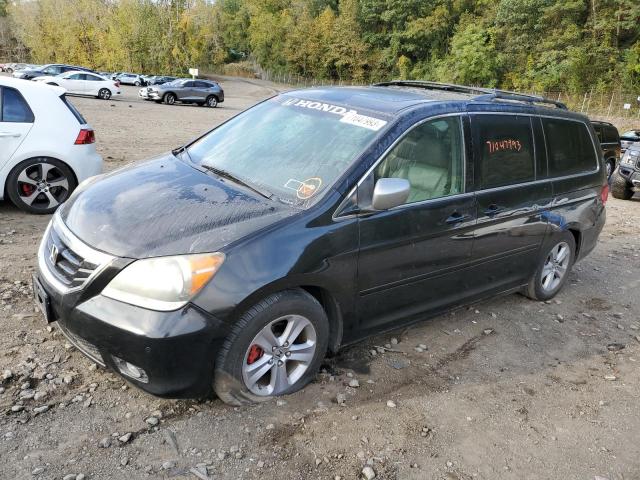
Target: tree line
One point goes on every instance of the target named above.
(540, 45)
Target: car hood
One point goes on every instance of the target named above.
(166, 207)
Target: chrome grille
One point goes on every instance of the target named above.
(65, 262)
(69, 267)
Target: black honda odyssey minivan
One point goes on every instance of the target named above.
(312, 220)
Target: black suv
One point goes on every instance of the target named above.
(610, 143)
(48, 70)
(626, 180)
(315, 219)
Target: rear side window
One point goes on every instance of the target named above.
(611, 135)
(504, 149)
(15, 108)
(569, 147)
(73, 110)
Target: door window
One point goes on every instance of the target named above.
(431, 157)
(504, 150)
(14, 107)
(569, 147)
(92, 78)
(76, 76)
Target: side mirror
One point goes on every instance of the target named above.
(390, 192)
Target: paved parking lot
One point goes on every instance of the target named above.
(508, 388)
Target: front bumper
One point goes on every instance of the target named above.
(631, 175)
(175, 349)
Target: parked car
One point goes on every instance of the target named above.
(609, 139)
(46, 146)
(626, 180)
(159, 80)
(47, 70)
(11, 67)
(81, 83)
(130, 79)
(312, 220)
(629, 138)
(201, 92)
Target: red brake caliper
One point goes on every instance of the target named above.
(27, 189)
(255, 352)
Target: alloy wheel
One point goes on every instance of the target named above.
(42, 186)
(279, 355)
(212, 102)
(104, 94)
(555, 266)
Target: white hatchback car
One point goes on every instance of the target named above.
(46, 146)
(84, 83)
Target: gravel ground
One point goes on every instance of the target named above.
(508, 388)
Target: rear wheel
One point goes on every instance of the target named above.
(211, 101)
(170, 99)
(104, 94)
(611, 166)
(620, 188)
(137, 84)
(40, 185)
(553, 268)
(274, 349)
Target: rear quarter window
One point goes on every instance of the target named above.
(15, 108)
(569, 147)
(611, 135)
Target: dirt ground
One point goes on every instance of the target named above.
(506, 389)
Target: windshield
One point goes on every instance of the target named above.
(288, 147)
(630, 135)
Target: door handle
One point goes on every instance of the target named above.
(9, 134)
(493, 209)
(456, 217)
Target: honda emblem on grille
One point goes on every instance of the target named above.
(53, 254)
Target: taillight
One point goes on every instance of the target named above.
(86, 137)
(604, 193)
(117, 83)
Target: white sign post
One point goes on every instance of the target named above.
(193, 72)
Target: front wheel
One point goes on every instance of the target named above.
(137, 84)
(553, 268)
(104, 94)
(170, 99)
(275, 348)
(40, 185)
(621, 188)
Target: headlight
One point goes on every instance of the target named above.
(164, 283)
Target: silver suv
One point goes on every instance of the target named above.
(202, 92)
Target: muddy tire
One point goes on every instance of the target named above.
(554, 266)
(620, 188)
(275, 348)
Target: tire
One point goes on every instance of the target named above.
(170, 98)
(237, 383)
(620, 188)
(137, 84)
(553, 269)
(104, 94)
(610, 165)
(32, 193)
(211, 101)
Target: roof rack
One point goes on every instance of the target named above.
(484, 94)
(448, 87)
(519, 97)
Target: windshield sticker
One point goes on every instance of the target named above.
(502, 145)
(351, 117)
(304, 190)
(354, 118)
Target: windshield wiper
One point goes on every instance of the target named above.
(233, 178)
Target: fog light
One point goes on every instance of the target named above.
(130, 370)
